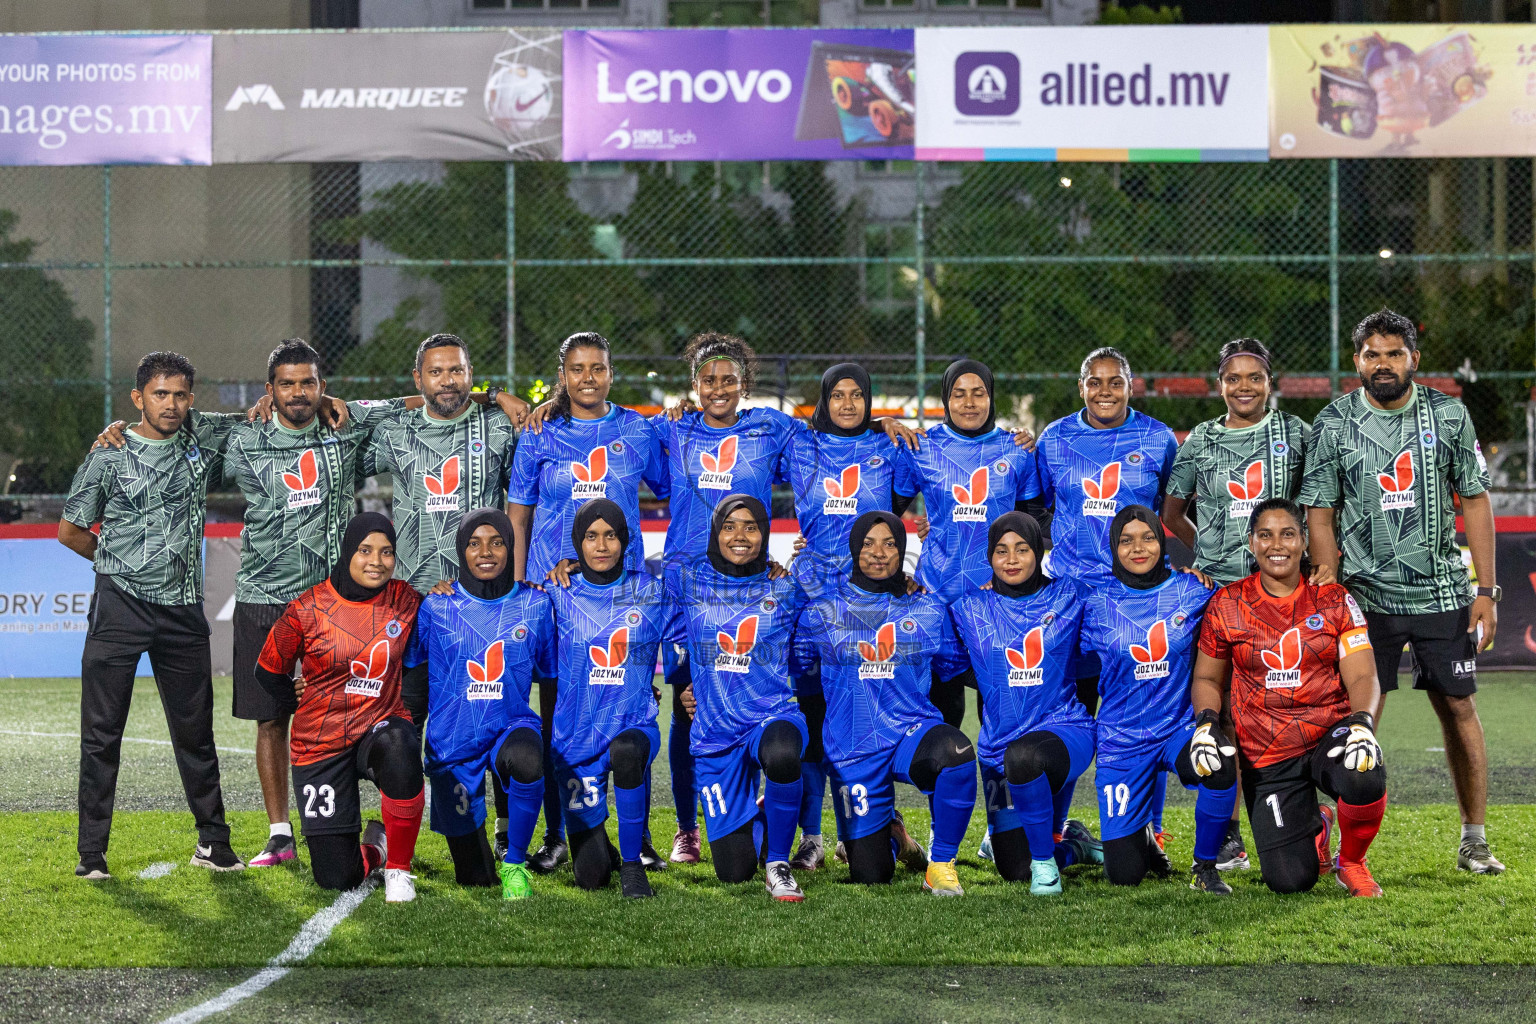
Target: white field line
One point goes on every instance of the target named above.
(314, 932)
(159, 869)
(126, 739)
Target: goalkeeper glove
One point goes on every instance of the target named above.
(1357, 748)
(1208, 746)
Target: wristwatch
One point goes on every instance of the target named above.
(1496, 592)
(492, 393)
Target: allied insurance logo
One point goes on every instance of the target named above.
(987, 84)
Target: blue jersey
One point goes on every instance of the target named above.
(705, 463)
(572, 462)
(967, 482)
(1145, 640)
(1022, 650)
(877, 652)
(481, 659)
(737, 632)
(1088, 475)
(606, 660)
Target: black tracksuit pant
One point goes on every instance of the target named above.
(121, 628)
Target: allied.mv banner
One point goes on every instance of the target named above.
(740, 94)
(99, 99)
(1133, 93)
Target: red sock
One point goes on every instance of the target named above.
(1358, 825)
(370, 858)
(402, 821)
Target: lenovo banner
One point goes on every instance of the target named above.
(1177, 93)
(90, 99)
(359, 96)
(739, 94)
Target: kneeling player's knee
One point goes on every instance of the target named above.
(336, 861)
(1290, 868)
(1010, 852)
(395, 759)
(870, 858)
(942, 747)
(521, 757)
(1358, 788)
(591, 858)
(779, 752)
(1222, 779)
(1125, 859)
(734, 855)
(473, 862)
(1035, 754)
(630, 755)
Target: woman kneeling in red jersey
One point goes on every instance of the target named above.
(1297, 663)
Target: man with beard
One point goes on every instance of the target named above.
(1392, 458)
(446, 460)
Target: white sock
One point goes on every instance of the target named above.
(282, 828)
(1473, 832)
(501, 826)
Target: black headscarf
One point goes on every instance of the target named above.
(499, 585)
(1027, 528)
(896, 583)
(957, 369)
(357, 531)
(821, 418)
(1160, 572)
(610, 513)
(730, 503)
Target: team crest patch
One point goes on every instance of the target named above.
(909, 625)
(618, 447)
(1280, 448)
(476, 447)
(1047, 618)
(876, 461)
(1000, 467)
(1314, 622)
(520, 634)
(1179, 618)
(632, 618)
(1427, 438)
(769, 604)
(193, 454)
(1134, 458)
(393, 629)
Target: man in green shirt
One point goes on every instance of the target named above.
(150, 498)
(1387, 461)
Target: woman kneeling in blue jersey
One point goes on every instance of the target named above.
(609, 622)
(878, 645)
(737, 624)
(484, 639)
(1036, 736)
(1143, 624)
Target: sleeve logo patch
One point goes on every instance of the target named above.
(1355, 614)
(1355, 641)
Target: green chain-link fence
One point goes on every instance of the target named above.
(1026, 266)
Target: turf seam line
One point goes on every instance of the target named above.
(126, 739)
(315, 931)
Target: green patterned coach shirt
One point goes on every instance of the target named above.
(300, 489)
(441, 469)
(151, 498)
(1229, 471)
(1392, 474)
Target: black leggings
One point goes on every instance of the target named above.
(814, 707)
(1027, 758)
(389, 755)
(948, 695)
(593, 858)
(1088, 694)
(521, 758)
(871, 861)
(734, 855)
(1294, 867)
(1128, 858)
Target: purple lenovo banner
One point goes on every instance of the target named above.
(739, 94)
(106, 99)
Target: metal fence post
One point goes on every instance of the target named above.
(922, 315)
(511, 276)
(1333, 278)
(106, 295)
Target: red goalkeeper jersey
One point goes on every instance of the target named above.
(351, 655)
(1285, 651)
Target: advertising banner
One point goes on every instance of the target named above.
(739, 94)
(1133, 93)
(361, 96)
(1402, 90)
(91, 99)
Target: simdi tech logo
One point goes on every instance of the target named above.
(987, 84)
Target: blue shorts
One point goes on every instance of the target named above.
(1125, 787)
(727, 780)
(458, 788)
(1001, 816)
(864, 791)
(584, 787)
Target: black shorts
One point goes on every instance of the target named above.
(327, 791)
(1444, 653)
(1282, 798)
(253, 622)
